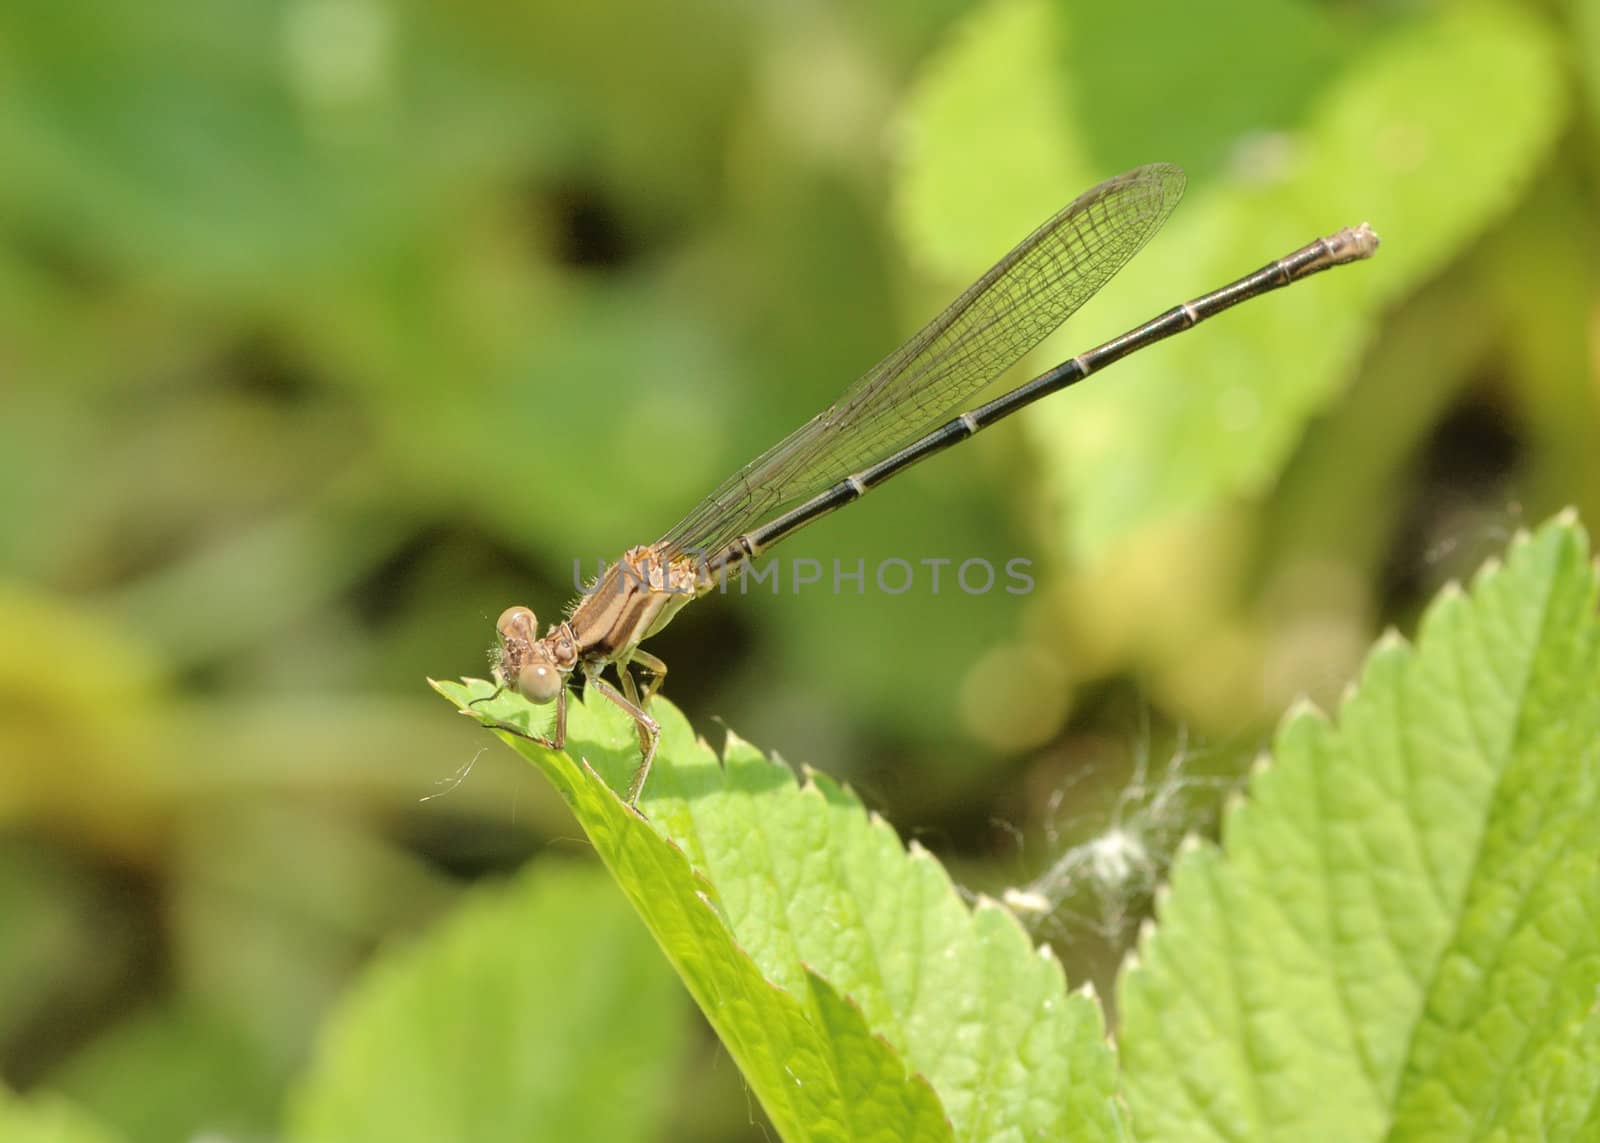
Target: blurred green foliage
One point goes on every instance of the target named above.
(458, 1038)
(330, 327)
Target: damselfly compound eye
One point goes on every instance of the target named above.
(539, 682)
(517, 623)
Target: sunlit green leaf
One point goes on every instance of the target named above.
(1400, 936)
(762, 892)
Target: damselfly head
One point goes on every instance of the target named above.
(527, 664)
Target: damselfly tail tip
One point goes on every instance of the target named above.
(1355, 242)
(1352, 244)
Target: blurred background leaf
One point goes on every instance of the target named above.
(328, 328)
(490, 1030)
(48, 1121)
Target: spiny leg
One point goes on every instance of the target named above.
(649, 734)
(498, 691)
(655, 668)
(625, 676)
(556, 741)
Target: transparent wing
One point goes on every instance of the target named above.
(1017, 304)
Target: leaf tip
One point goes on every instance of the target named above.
(985, 903)
(1303, 710)
(1235, 801)
(733, 742)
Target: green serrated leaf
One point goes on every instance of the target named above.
(759, 889)
(521, 1019)
(1429, 133)
(1401, 935)
(787, 1052)
(48, 1120)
